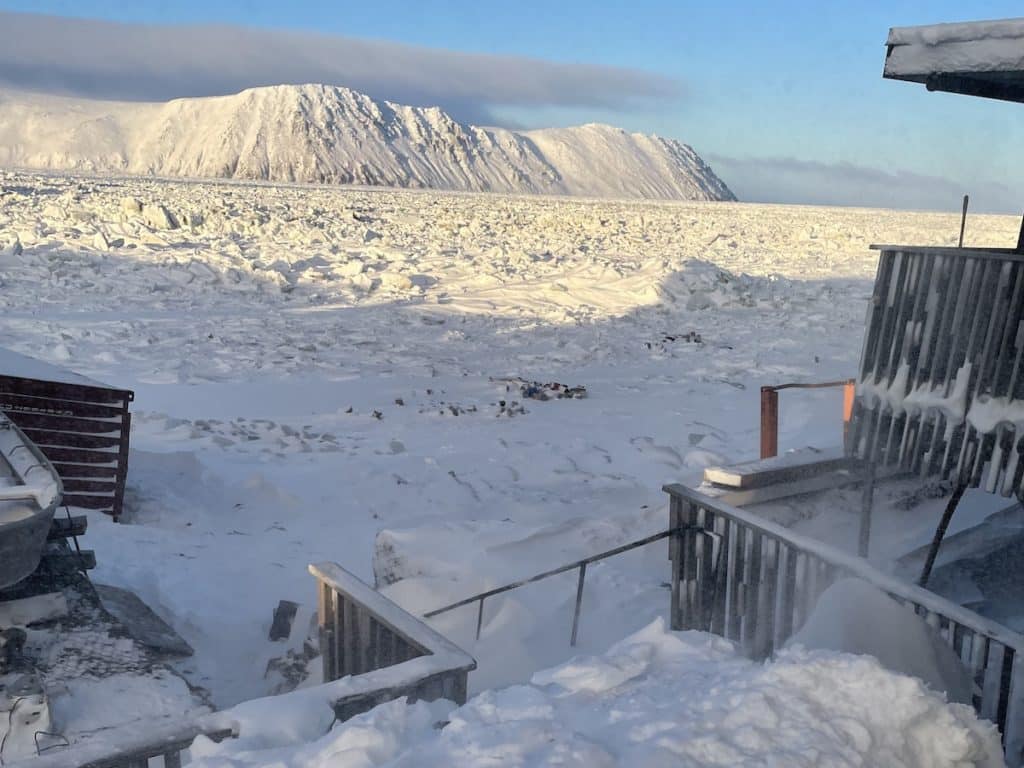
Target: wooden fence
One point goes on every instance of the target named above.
(941, 384)
(83, 430)
(754, 582)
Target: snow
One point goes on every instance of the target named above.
(24, 367)
(261, 338)
(657, 698)
(984, 46)
(328, 134)
(854, 617)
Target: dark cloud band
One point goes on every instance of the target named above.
(788, 180)
(112, 60)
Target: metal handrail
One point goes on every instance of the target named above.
(581, 565)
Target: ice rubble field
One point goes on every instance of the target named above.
(315, 365)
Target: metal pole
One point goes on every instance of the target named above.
(940, 533)
(479, 618)
(963, 221)
(769, 422)
(866, 501)
(579, 602)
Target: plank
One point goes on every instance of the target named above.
(68, 562)
(794, 465)
(18, 403)
(47, 438)
(76, 485)
(61, 391)
(57, 454)
(65, 527)
(81, 471)
(64, 423)
(88, 501)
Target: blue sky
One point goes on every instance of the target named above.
(785, 99)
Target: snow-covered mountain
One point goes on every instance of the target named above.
(328, 134)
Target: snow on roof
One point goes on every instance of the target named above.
(980, 58)
(23, 367)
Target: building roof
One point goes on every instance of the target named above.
(978, 58)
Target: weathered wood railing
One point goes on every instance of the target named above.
(133, 746)
(754, 582)
(373, 652)
(361, 630)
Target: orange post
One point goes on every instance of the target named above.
(849, 393)
(769, 422)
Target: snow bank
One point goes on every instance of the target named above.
(854, 617)
(656, 699)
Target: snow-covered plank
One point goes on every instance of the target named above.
(794, 465)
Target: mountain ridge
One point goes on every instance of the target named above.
(333, 135)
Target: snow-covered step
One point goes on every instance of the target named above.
(799, 464)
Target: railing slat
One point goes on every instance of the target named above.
(753, 594)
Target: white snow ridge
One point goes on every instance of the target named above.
(329, 134)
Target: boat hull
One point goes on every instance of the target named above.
(21, 545)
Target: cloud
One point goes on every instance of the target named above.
(112, 60)
(788, 180)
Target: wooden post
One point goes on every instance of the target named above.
(675, 552)
(325, 611)
(122, 464)
(769, 422)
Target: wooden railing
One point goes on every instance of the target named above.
(755, 583)
(373, 652)
(770, 410)
(134, 745)
(361, 630)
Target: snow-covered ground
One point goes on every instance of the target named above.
(653, 699)
(315, 365)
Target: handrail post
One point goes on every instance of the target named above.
(579, 602)
(769, 422)
(325, 610)
(849, 395)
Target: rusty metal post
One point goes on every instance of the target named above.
(769, 422)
